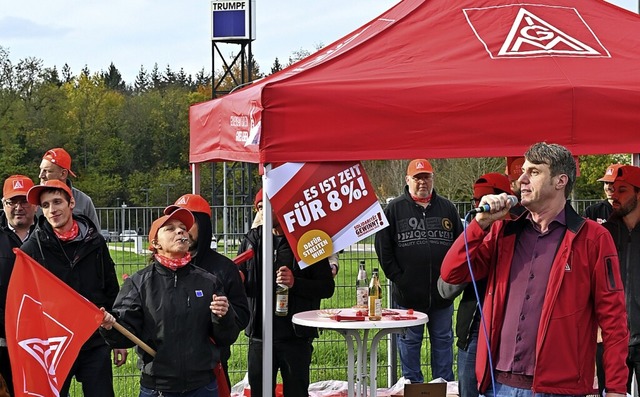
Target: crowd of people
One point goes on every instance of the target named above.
(548, 297)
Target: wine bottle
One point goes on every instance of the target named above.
(375, 297)
(362, 287)
(282, 300)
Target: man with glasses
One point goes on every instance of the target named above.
(422, 227)
(17, 220)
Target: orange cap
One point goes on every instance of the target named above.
(611, 173)
(59, 157)
(182, 214)
(16, 185)
(626, 173)
(33, 195)
(419, 166)
(192, 202)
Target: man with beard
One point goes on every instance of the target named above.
(219, 265)
(624, 225)
(601, 210)
(17, 220)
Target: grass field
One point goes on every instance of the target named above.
(330, 351)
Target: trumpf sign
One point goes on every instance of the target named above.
(233, 21)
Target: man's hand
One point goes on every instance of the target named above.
(499, 207)
(120, 356)
(285, 277)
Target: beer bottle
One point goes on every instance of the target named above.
(375, 297)
(282, 300)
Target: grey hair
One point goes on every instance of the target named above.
(558, 158)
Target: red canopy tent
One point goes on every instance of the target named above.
(441, 79)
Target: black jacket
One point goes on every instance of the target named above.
(223, 268)
(311, 285)
(468, 317)
(628, 247)
(84, 264)
(8, 241)
(599, 211)
(169, 311)
(412, 247)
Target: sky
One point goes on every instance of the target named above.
(140, 33)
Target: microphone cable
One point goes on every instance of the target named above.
(475, 289)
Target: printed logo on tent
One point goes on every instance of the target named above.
(534, 31)
(46, 352)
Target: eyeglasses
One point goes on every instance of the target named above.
(259, 207)
(426, 177)
(14, 203)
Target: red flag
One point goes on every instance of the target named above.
(46, 322)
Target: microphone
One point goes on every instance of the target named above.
(512, 200)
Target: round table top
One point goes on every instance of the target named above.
(322, 319)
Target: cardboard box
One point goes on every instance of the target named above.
(425, 390)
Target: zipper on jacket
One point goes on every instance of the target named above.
(175, 280)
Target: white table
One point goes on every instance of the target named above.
(357, 352)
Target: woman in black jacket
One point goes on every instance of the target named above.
(177, 309)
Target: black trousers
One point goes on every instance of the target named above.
(292, 357)
(93, 369)
(5, 368)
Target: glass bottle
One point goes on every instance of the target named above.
(375, 297)
(282, 300)
(362, 287)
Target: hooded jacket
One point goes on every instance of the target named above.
(412, 247)
(584, 290)
(222, 267)
(311, 285)
(628, 246)
(84, 263)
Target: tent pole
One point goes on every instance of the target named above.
(267, 288)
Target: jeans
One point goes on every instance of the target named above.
(467, 381)
(441, 341)
(508, 391)
(92, 368)
(292, 357)
(210, 390)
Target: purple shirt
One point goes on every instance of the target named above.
(532, 260)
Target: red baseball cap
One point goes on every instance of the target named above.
(258, 198)
(33, 195)
(493, 181)
(514, 167)
(419, 166)
(626, 173)
(192, 202)
(611, 173)
(16, 185)
(59, 157)
(182, 214)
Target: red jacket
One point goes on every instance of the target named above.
(584, 291)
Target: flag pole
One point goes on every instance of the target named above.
(134, 339)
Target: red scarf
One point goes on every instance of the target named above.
(71, 234)
(173, 264)
(420, 199)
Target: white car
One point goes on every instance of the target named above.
(128, 235)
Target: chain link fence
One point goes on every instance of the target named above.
(129, 251)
